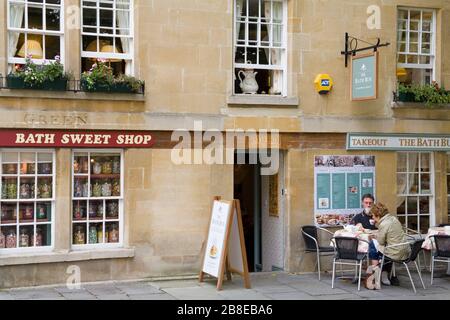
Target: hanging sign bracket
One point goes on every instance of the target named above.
(351, 46)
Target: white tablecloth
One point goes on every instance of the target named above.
(362, 246)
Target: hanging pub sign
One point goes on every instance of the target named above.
(75, 138)
(364, 77)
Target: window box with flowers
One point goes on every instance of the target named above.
(100, 78)
(425, 94)
(48, 76)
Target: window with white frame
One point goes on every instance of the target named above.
(415, 192)
(260, 45)
(35, 29)
(97, 199)
(416, 45)
(27, 199)
(448, 186)
(107, 33)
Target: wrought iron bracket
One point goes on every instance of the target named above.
(351, 46)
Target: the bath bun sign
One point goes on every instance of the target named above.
(75, 138)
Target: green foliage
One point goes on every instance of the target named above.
(129, 81)
(36, 75)
(101, 76)
(430, 94)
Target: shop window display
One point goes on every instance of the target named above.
(97, 198)
(26, 204)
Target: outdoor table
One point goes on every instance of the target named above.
(427, 244)
(363, 247)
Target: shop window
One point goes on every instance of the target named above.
(448, 186)
(27, 199)
(416, 46)
(107, 33)
(260, 44)
(415, 190)
(97, 199)
(35, 29)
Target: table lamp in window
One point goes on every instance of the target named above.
(33, 48)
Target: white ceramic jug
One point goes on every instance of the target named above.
(248, 82)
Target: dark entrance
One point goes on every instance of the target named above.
(247, 188)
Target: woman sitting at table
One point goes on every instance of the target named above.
(390, 232)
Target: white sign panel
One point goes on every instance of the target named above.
(216, 238)
(407, 142)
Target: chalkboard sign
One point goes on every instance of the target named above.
(225, 244)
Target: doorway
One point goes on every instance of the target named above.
(264, 229)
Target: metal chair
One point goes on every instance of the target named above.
(417, 236)
(346, 249)
(416, 247)
(441, 251)
(310, 236)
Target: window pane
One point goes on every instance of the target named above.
(53, 19)
(52, 47)
(26, 212)
(403, 14)
(401, 183)
(402, 24)
(401, 162)
(8, 213)
(414, 47)
(27, 188)
(413, 223)
(35, 18)
(401, 208)
(79, 233)
(106, 18)
(426, 37)
(414, 26)
(426, 25)
(413, 59)
(412, 205)
(425, 162)
(89, 17)
(424, 224)
(448, 163)
(414, 37)
(425, 183)
(17, 15)
(413, 183)
(413, 162)
(424, 205)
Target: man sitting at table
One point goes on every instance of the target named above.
(390, 232)
(364, 218)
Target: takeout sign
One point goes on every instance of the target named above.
(77, 139)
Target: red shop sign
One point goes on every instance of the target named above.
(75, 138)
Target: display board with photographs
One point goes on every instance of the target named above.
(339, 183)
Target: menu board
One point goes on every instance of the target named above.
(339, 184)
(217, 236)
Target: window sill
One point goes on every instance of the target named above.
(419, 105)
(66, 256)
(70, 95)
(262, 100)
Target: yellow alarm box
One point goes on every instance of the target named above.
(323, 83)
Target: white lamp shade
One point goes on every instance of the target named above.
(34, 49)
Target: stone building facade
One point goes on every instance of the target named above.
(190, 54)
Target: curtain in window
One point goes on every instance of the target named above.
(123, 20)
(239, 9)
(402, 185)
(275, 14)
(16, 15)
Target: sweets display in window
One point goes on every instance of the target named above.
(79, 236)
(38, 242)
(93, 234)
(97, 168)
(11, 239)
(44, 189)
(116, 188)
(106, 189)
(24, 239)
(41, 214)
(2, 240)
(97, 190)
(116, 165)
(107, 167)
(113, 234)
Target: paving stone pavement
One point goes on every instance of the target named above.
(265, 286)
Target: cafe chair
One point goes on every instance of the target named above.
(311, 239)
(414, 235)
(416, 247)
(346, 250)
(441, 251)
